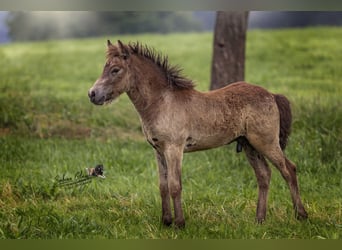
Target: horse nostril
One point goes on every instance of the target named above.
(91, 94)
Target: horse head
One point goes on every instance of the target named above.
(114, 79)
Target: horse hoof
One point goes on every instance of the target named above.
(302, 215)
(167, 221)
(180, 224)
(260, 220)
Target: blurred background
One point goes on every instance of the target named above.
(45, 25)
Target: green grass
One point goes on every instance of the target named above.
(48, 128)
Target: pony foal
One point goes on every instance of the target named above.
(176, 118)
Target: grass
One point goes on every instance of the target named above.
(49, 129)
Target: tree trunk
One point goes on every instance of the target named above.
(229, 48)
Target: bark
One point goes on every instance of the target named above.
(228, 64)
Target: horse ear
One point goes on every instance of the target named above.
(124, 50)
(109, 43)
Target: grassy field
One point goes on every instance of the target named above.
(49, 131)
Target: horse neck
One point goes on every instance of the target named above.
(147, 85)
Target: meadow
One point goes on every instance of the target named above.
(49, 131)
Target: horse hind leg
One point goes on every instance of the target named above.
(263, 175)
(288, 171)
(297, 203)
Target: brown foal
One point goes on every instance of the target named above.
(176, 118)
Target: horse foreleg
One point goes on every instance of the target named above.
(164, 190)
(173, 157)
(263, 175)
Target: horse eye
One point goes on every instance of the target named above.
(115, 70)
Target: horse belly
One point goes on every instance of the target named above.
(207, 142)
(215, 129)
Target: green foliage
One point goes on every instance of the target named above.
(48, 128)
(56, 25)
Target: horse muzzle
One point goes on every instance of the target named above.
(96, 98)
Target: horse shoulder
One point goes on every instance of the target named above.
(165, 122)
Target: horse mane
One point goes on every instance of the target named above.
(173, 74)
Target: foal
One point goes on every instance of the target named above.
(176, 118)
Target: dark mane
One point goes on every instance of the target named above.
(175, 79)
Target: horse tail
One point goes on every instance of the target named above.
(285, 119)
